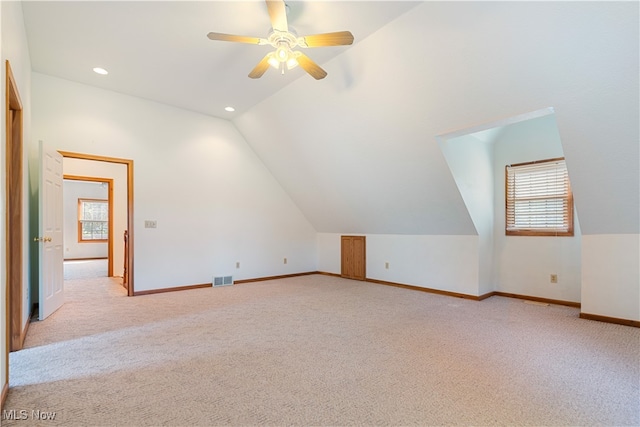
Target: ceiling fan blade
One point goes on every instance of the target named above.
(260, 69)
(278, 15)
(310, 67)
(232, 38)
(339, 38)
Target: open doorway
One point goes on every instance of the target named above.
(117, 175)
(86, 167)
(88, 226)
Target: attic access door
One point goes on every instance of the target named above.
(354, 257)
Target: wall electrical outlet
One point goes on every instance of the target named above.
(285, 260)
(386, 265)
(148, 223)
(238, 264)
(553, 278)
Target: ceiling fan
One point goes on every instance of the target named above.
(284, 40)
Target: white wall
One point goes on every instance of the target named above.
(72, 191)
(523, 264)
(214, 201)
(448, 263)
(470, 160)
(15, 49)
(118, 173)
(611, 275)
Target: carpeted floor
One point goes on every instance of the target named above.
(85, 269)
(320, 350)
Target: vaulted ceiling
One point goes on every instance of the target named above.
(159, 50)
(358, 151)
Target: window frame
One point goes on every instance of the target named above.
(81, 239)
(569, 231)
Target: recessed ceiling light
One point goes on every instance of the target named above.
(229, 109)
(100, 71)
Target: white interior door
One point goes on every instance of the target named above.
(51, 236)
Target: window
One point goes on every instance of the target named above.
(539, 201)
(93, 220)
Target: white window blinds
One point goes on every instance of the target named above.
(93, 220)
(539, 199)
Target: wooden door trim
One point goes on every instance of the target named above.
(110, 240)
(14, 280)
(129, 165)
(14, 212)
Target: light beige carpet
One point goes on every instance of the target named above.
(85, 269)
(319, 350)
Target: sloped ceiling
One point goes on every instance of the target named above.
(158, 50)
(358, 153)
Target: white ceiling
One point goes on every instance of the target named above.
(358, 151)
(159, 50)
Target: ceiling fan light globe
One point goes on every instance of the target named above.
(273, 61)
(282, 54)
(292, 63)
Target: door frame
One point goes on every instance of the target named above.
(110, 239)
(129, 165)
(14, 216)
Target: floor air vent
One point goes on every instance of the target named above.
(222, 281)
